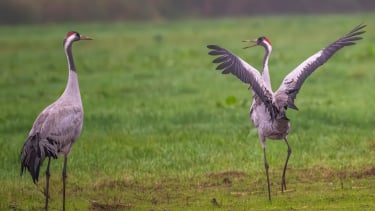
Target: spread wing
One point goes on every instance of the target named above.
(233, 64)
(292, 83)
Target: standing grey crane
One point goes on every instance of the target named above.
(57, 127)
(267, 111)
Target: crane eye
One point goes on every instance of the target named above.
(261, 38)
(77, 35)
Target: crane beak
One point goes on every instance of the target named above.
(83, 37)
(253, 41)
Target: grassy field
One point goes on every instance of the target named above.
(164, 130)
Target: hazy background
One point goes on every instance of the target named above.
(47, 11)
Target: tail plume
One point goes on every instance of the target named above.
(34, 152)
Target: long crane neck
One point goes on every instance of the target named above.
(69, 55)
(266, 73)
(72, 86)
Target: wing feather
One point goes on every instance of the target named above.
(62, 124)
(220, 59)
(292, 83)
(230, 63)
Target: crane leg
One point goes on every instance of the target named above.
(283, 183)
(64, 180)
(46, 192)
(266, 167)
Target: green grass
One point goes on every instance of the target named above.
(164, 130)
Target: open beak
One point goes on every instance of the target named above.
(83, 37)
(253, 41)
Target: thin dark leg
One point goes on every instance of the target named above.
(266, 167)
(283, 183)
(64, 180)
(47, 183)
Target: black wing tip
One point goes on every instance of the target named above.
(211, 46)
(225, 65)
(293, 107)
(222, 60)
(214, 47)
(215, 50)
(359, 27)
(351, 37)
(35, 179)
(356, 31)
(34, 172)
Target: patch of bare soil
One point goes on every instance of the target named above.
(226, 178)
(367, 172)
(372, 144)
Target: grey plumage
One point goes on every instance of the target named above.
(54, 131)
(230, 63)
(267, 111)
(292, 83)
(57, 127)
(34, 153)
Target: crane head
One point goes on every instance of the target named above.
(260, 41)
(72, 36)
(77, 36)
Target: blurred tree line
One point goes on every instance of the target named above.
(41, 11)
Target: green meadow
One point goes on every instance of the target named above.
(164, 130)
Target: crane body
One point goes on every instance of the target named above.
(267, 111)
(57, 127)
